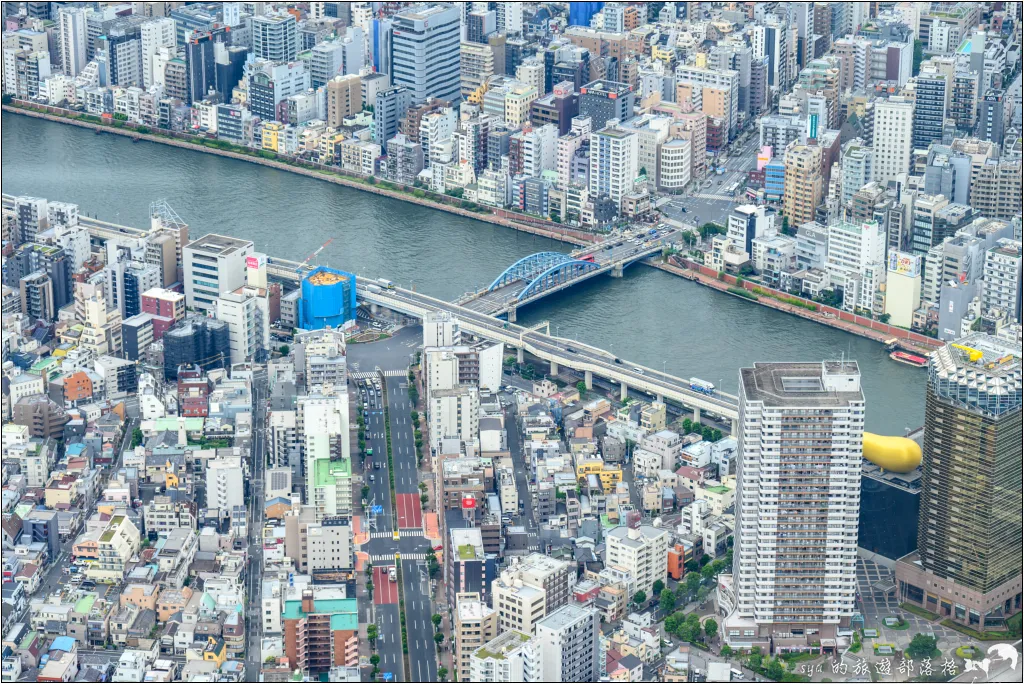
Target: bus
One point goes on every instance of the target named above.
(588, 257)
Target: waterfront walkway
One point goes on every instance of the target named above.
(330, 174)
(881, 333)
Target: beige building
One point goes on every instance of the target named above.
(643, 552)
(476, 623)
(116, 544)
(344, 98)
(803, 186)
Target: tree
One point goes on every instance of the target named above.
(366, 491)
(704, 560)
(284, 349)
(707, 572)
(657, 587)
(785, 227)
(884, 318)
(918, 57)
(436, 619)
(639, 597)
(921, 646)
(442, 674)
(581, 387)
(692, 583)
(371, 632)
(671, 623)
(137, 437)
(691, 566)
(375, 660)
(439, 638)
(775, 670)
(711, 628)
(667, 601)
(702, 593)
(726, 651)
(687, 426)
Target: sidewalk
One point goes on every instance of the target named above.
(839, 324)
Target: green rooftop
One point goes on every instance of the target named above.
(718, 489)
(510, 641)
(326, 472)
(171, 423)
(27, 641)
(467, 552)
(344, 612)
(84, 605)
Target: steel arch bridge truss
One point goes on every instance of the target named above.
(542, 271)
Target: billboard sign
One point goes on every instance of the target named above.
(256, 261)
(906, 264)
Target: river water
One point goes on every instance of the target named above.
(648, 316)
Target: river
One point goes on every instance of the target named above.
(648, 316)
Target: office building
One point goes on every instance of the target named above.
(747, 222)
(425, 52)
(270, 83)
(511, 656)
(604, 101)
(213, 265)
(201, 64)
(275, 37)
(475, 624)
(803, 190)
(389, 108)
(1002, 280)
(476, 66)
(857, 168)
(119, 53)
(568, 647)
(967, 567)
(344, 99)
(199, 341)
(642, 552)
(797, 503)
(614, 163)
(225, 482)
(893, 131)
(245, 310)
(74, 40)
(156, 33)
(930, 98)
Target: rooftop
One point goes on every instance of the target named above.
(817, 385)
(499, 647)
(218, 245)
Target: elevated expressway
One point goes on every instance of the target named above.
(557, 351)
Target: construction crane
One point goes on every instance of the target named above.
(312, 256)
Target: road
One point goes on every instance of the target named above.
(567, 352)
(707, 203)
(388, 363)
(254, 571)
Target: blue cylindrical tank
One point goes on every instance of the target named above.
(328, 299)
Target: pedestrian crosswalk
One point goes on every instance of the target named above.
(373, 375)
(387, 558)
(403, 534)
(714, 196)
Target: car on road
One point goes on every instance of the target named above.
(618, 361)
(570, 350)
(372, 478)
(638, 371)
(376, 465)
